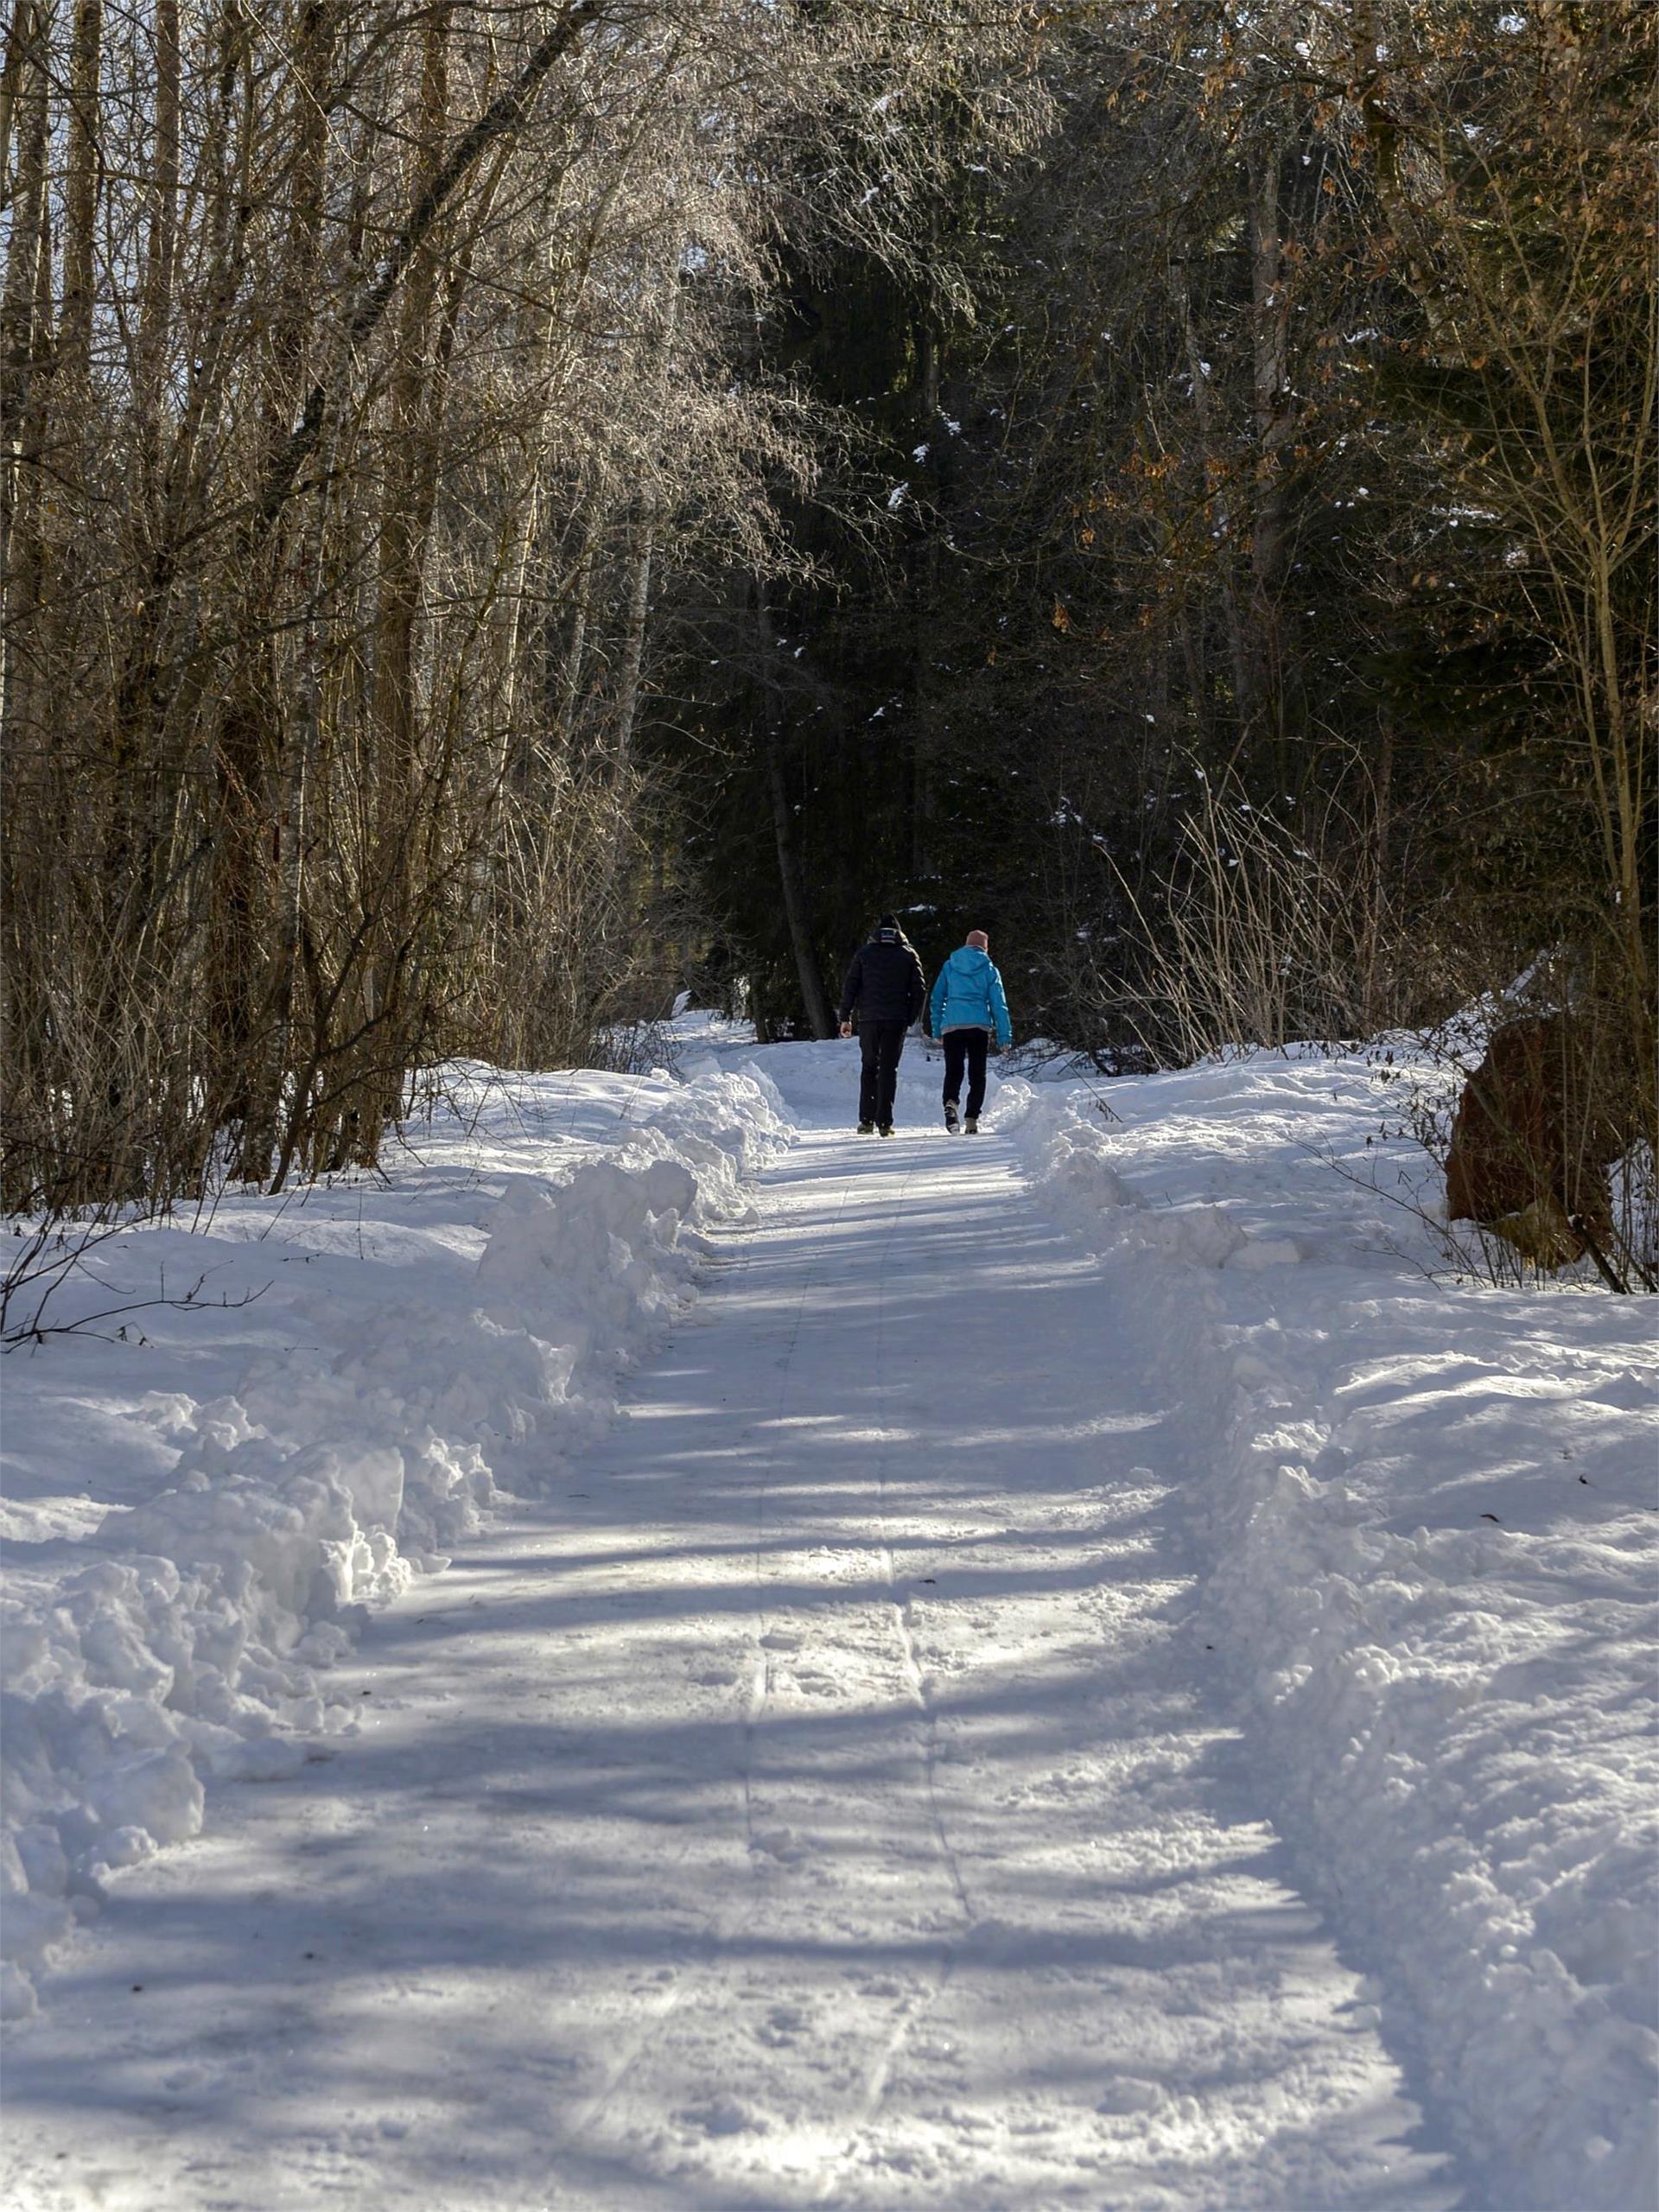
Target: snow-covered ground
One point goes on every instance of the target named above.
(1428, 1509)
(1090, 1671)
(200, 1499)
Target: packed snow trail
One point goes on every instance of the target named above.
(823, 1802)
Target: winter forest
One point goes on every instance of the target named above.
(523, 531)
(511, 514)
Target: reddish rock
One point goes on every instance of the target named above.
(1530, 1150)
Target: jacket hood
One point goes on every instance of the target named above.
(968, 960)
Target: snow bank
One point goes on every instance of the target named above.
(476, 1330)
(1066, 1161)
(1428, 1515)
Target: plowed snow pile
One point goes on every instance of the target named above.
(1429, 1509)
(201, 1498)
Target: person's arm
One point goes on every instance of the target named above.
(852, 983)
(916, 994)
(936, 1004)
(1000, 1013)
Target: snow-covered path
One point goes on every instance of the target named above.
(823, 1800)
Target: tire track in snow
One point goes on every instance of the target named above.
(761, 1677)
(659, 2011)
(900, 1606)
(880, 2074)
(723, 1928)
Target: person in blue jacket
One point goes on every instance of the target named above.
(967, 1006)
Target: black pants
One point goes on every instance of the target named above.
(968, 1045)
(880, 1042)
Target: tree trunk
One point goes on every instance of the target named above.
(1274, 421)
(813, 995)
(791, 880)
(633, 650)
(23, 338)
(80, 195)
(633, 647)
(502, 118)
(410, 436)
(156, 316)
(1240, 657)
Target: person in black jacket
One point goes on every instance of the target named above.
(885, 984)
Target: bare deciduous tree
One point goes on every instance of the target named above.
(364, 369)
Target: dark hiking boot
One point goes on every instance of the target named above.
(952, 1121)
(970, 1127)
(867, 1128)
(887, 1128)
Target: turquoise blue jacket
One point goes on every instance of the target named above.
(969, 995)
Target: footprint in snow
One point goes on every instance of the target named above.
(723, 2116)
(784, 2024)
(1129, 2094)
(778, 1843)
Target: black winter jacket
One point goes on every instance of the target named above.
(884, 981)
